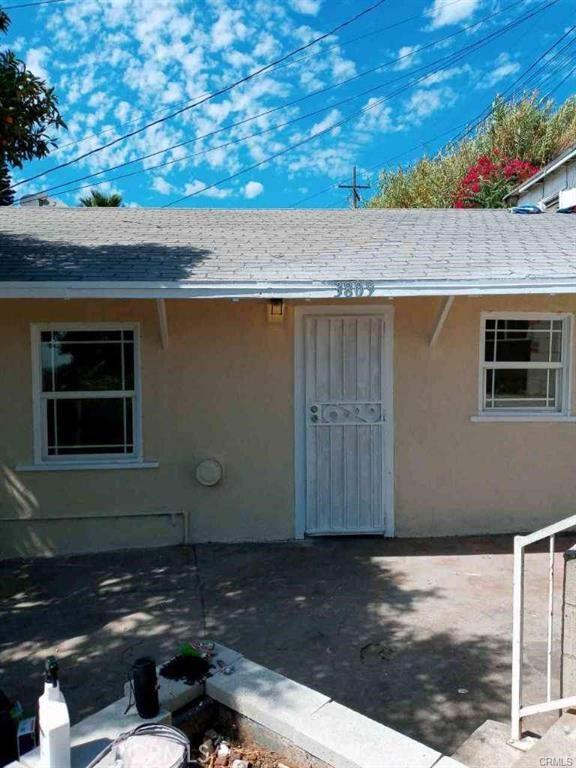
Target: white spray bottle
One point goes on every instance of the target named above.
(54, 721)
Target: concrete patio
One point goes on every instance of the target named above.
(413, 633)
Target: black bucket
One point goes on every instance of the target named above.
(145, 685)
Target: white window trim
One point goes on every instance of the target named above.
(520, 415)
(83, 466)
(85, 461)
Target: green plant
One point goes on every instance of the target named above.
(530, 130)
(97, 199)
(28, 110)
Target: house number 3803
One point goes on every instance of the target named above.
(346, 289)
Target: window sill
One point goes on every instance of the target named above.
(525, 418)
(82, 466)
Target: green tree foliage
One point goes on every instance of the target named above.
(98, 199)
(530, 130)
(6, 193)
(28, 110)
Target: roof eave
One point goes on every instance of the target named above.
(313, 289)
(541, 175)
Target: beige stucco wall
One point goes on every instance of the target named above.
(224, 389)
(454, 476)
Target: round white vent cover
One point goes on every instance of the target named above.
(209, 472)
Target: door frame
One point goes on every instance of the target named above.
(300, 312)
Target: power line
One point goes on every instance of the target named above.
(480, 118)
(347, 119)
(561, 83)
(514, 88)
(514, 85)
(322, 51)
(332, 187)
(222, 146)
(539, 77)
(514, 92)
(545, 80)
(300, 99)
(30, 5)
(212, 95)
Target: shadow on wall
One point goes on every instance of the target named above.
(19, 502)
(36, 259)
(348, 618)
(15, 497)
(29, 258)
(26, 532)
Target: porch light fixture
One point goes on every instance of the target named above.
(276, 311)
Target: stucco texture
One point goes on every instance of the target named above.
(455, 476)
(223, 388)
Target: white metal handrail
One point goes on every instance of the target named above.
(518, 710)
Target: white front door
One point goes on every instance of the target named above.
(343, 408)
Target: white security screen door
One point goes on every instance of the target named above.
(344, 415)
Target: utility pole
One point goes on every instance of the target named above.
(354, 187)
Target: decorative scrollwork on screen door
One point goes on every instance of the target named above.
(346, 413)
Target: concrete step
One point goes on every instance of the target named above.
(556, 748)
(488, 747)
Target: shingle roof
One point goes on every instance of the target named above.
(197, 247)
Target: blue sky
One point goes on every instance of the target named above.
(117, 64)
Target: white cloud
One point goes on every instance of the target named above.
(424, 103)
(334, 161)
(446, 74)
(35, 61)
(307, 7)
(159, 184)
(216, 193)
(407, 57)
(501, 69)
(149, 54)
(227, 29)
(173, 93)
(377, 116)
(98, 99)
(342, 68)
(445, 12)
(123, 110)
(267, 47)
(252, 189)
(332, 117)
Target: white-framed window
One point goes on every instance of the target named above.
(86, 392)
(525, 363)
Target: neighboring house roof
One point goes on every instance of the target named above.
(39, 200)
(144, 252)
(556, 162)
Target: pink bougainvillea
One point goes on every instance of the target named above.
(489, 180)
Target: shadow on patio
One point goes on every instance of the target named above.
(412, 633)
(379, 626)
